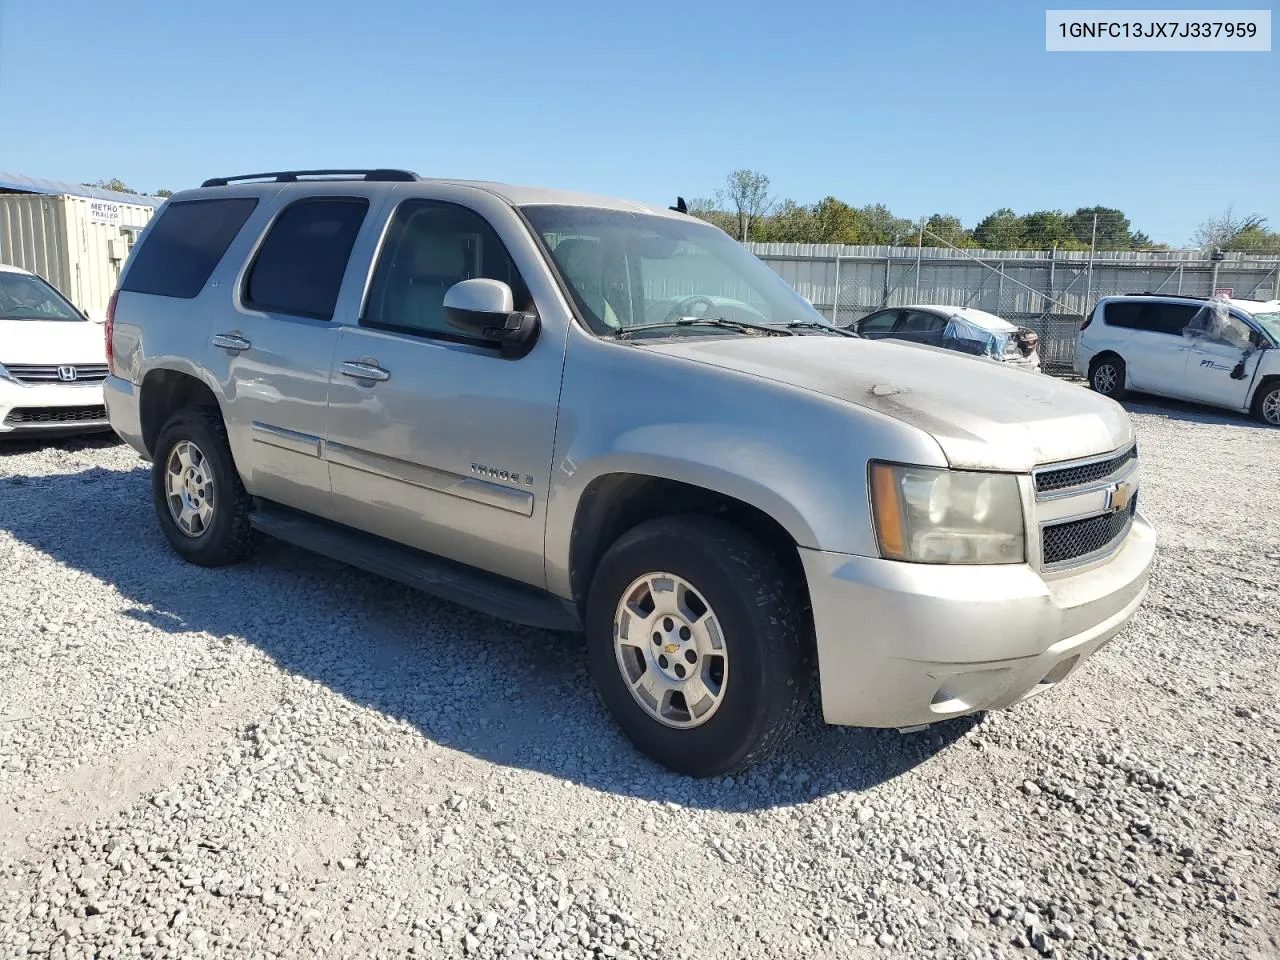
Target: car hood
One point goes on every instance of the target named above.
(52, 341)
(983, 414)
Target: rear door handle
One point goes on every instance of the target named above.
(231, 341)
(364, 370)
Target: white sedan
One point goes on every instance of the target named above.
(53, 361)
(955, 328)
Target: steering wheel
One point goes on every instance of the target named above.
(685, 307)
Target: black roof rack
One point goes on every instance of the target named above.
(292, 176)
(1157, 293)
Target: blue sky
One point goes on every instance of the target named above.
(926, 107)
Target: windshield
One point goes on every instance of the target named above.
(627, 271)
(1270, 322)
(25, 297)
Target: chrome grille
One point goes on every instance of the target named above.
(54, 372)
(1080, 475)
(1061, 542)
(20, 416)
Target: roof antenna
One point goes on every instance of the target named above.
(681, 206)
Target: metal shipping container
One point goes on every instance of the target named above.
(77, 243)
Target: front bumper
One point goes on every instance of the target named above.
(51, 408)
(902, 644)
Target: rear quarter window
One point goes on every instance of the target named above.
(1152, 317)
(184, 245)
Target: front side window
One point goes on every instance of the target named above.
(430, 246)
(916, 322)
(878, 322)
(24, 297)
(627, 271)
(299, 268)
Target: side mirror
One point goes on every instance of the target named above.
(485, 309)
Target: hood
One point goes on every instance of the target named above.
(984, 415)
(52, 341)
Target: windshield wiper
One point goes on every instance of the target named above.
(825, 327)
(722, 322)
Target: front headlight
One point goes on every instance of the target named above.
(927, 515)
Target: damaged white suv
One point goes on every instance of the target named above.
(585, 413)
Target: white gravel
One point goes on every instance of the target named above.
(290, 758)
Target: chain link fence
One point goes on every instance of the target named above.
(1051, 292)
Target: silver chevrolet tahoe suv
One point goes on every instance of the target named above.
(582, 413)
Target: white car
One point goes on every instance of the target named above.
(963, 329)
(53, 361)
(1217, 351)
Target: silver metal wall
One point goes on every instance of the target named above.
(1051, 292)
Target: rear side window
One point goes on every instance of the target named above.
(1152, 317)
(184, 245)
(299, 267)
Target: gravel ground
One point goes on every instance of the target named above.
(292, 758)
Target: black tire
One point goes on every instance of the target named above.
(1110, 386)
(762, 621)
(228, 537)
(1266, 402)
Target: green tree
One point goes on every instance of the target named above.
(1001, 230)
(115, 183)
(1113, 228)
(163, 193)
(747, 196)
(790, 222)
(946, 229)
(878, 225)
(837, 222)
(1045, 229)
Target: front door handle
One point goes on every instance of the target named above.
(231, 341)
(366, 369)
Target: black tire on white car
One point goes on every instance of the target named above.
(200, 502)
(1266, 403)
(1107, 376)
(691, 604)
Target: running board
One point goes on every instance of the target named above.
(455, 582)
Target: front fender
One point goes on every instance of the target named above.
(797, 456)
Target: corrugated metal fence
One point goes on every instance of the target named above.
(1049, 291)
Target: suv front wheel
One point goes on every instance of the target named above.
(200, 502)
(1266, 405)
(697, 644)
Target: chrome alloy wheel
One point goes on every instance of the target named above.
(1105, 378)
(670, 650)
(188, 487)
(1271, 408)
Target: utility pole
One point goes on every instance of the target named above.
(919, 253)
(1088, 286)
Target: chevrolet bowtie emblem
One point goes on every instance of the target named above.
(671, 648)
(1119, 495)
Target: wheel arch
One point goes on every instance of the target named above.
(613, 503)
(165, 390)
(1264, 385)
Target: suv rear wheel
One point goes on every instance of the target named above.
(200, 502)
(697, 644)
(1106, 376)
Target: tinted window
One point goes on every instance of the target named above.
(913, 322)
(184, 245)
(1153, 317)
(878, 322)
(429, 247)
(299, 268)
